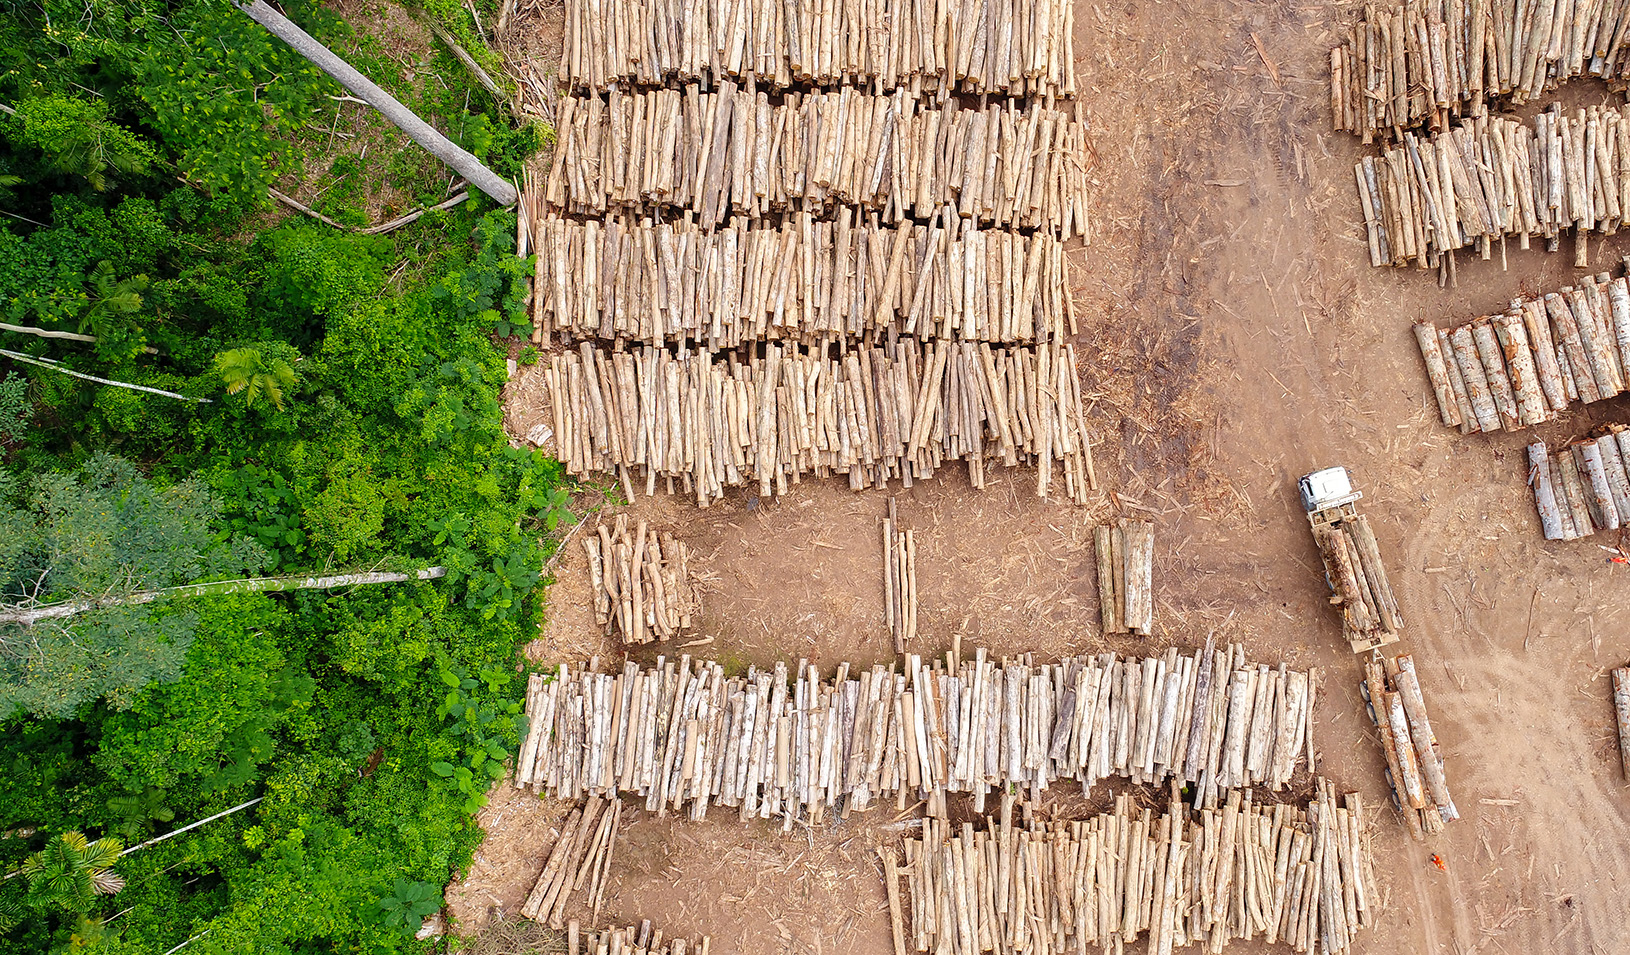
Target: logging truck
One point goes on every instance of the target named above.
(1352, 560)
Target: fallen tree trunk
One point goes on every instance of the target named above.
(253, 585)
(405, 119)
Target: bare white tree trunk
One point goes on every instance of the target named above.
(253, 585)
(53, 366)
(417, 129)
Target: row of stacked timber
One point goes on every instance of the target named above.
(1246, 870)
(1523, 367)
(733, 152)
(687, 738)
(579, 862)
(1480, 181)
(1125, 554)
(1352, 564)
(1621, 715)
(1012, 47)
(795, 278)
(1427, 62)
(1584, 487)
(640, 582)
(1414, 759)
(873, 414)
(899, 580)
(630, 940)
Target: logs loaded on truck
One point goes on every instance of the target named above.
(1352, 560)
(1414, 759)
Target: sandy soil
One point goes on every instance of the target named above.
(1235, 338)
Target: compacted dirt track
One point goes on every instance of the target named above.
(1233, 337)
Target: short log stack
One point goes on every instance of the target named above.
(1009, 47)
(1523, 367)
(1125, 553)
(640, 582)
(1621, 715)
(688, 737)
(734, 153)
(1425, 63)
(791, 278)
(1480, 181)
(1352, 563)
(631, 940)
(1246, 870)
(1583, 487)
(872, 414)
(1414, 759)
(579, 862)
(899, 581)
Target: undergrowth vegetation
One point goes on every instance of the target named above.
(335, 409)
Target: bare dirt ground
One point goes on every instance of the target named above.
(1235, 338)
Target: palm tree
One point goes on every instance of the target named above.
(71, 871)
(248, 371)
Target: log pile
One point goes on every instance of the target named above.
(1478, 182)
(873, 414)
(579, 861)
(1012, 47)
(640, 582)
(631, 940)
(1352, 564)
(1425, 63)
(1621, 715)
(1125, 554)
(688, 737)
(733, 153)
(1523, 367)
(795, 279)
(899, 581)
(1245, 871)
(1584, 487)
(820, 189)
(1414, 759)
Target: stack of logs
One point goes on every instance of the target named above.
(1522, 367)
(580, 858)
(1011, 47)
(1584, 487)
(1424, 63)
(750, 743)
(899, 581)
(1414, 759)
(1125, 553)
(873, 414)
(631, 940)
(1621, 714)
(1246, 870)
(1352, 562)
(733, 152)
(797, 280)
(641, 583)
(1478, 182)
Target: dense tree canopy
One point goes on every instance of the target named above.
(352, 423)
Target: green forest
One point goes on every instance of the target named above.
(200, 384)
